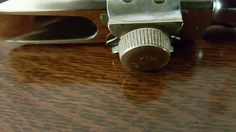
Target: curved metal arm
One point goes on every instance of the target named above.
(193, 10)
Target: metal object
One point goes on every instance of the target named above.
(144, 49)
(87, 21)
(62, 13)
(86, 28)
(48, 7)
(126, 16)
(142, 26)
(92, 9)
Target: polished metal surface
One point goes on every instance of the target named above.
(45, 7)
(82, 21)
(84, 28)
(54, 27)
(91, 9)
(127, 16)
(60, 30)
(144, 29)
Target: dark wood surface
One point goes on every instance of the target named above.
(84, 88)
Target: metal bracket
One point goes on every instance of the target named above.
(126, 15)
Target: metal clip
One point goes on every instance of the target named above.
(143, 28)
(126, 15)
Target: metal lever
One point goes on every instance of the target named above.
(56, 21)
(140, 29)
(91, 10)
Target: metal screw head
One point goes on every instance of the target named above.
(145, 49)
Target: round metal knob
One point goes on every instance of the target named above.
(145, 49)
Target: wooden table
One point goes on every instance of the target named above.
(84, 88)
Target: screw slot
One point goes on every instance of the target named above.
(159, 1)
(127, 1)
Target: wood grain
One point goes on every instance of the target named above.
(84, 88)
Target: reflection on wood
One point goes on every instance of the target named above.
(84, 88)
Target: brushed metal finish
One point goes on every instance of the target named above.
(127, 16)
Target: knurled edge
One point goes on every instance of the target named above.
(144, 37)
